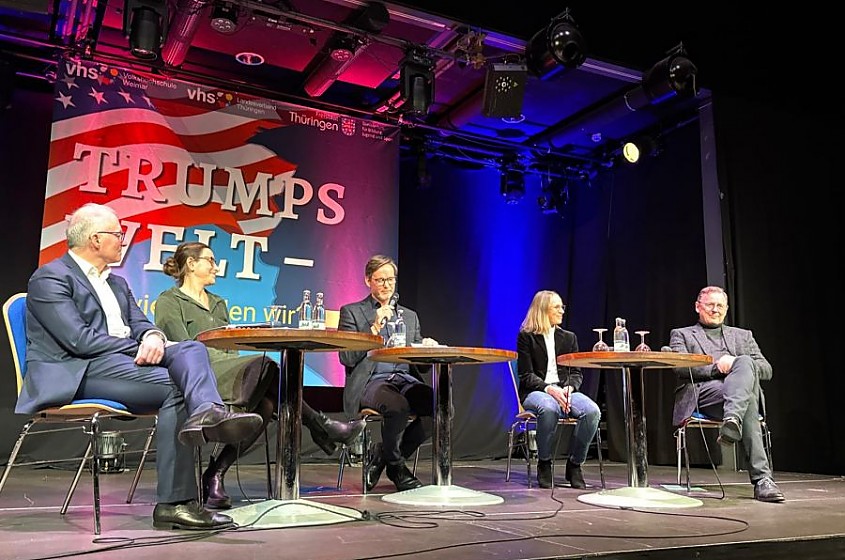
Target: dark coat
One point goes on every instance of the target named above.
(532, 361)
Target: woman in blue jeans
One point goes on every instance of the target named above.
(551, 391)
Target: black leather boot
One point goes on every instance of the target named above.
(214, 494)
(402, 477)
(327, 433)
(574, 475)
(544, 473)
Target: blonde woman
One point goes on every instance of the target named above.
(551, 391)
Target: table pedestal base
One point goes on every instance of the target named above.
(630, 497)
(434, 495)
(291, 513)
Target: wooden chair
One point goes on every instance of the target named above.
(523, 429)
(83, 415)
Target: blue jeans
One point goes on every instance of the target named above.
(548, 412)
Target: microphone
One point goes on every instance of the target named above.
(394, 299)
(667, 349)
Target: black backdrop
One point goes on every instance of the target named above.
(635, 251)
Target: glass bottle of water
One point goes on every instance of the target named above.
(319, 317)
(305, 310)
(621, 342)
(400, 330)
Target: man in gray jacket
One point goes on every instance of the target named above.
(729, 388)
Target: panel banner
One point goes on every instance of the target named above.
(289, 198)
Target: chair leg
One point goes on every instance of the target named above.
(142, 461)
(14, 453)
(365, 450)
(510, 453)
(601, 459)
(416, 461)
(678, 447)
(342, 460)
(95, 469)
(686, 459)
(87, 456)
(199, 473)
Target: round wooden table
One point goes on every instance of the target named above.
(291, 345)
(442, 492)
(633, 364)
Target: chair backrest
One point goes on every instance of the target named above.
(512, 367)
(14, 315)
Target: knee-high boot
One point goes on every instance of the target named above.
(213, 489)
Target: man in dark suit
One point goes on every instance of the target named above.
(87, 338)
(396, 390)
(729, 388)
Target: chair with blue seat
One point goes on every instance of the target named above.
(701, 422)
(85, 415)
(521, 434)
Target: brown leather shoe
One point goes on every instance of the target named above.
(189, 516)
(218, 425)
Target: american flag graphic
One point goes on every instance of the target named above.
(125, 134)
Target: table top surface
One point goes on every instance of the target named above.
(440, 355)
(643, 360)
(261, 339)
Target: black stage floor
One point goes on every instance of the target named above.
(529, 524)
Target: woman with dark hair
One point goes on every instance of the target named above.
(246, 383)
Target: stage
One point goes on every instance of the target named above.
(529, 524)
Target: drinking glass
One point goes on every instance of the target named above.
(601, 345)
(642, 346)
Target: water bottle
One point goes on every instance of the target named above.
(621, 342)
(305, 310)
(319, 318)
(400, 331)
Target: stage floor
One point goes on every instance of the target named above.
(529, 524)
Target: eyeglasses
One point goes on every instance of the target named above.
(385, 281)
(210, 260)
(119, 234)
(562, 307)
(713, 306)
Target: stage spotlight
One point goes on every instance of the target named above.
(560, 44)
(513, 185)
(145, 25)
(635, 150)
(504, 90)
(674, 75)
(554, 197)
(224, 18)
(416, 78)
(341, 51)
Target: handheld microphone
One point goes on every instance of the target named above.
(394, 299)
(666, 349)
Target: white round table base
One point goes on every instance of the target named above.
(434, 495)
(630, 497)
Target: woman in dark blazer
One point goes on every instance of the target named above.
(551, 391)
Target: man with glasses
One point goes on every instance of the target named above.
(87, 339)
(729, 388)
(396, 391)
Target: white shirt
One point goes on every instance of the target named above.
(551, 367)
(108, 301)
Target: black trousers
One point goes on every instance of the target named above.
(397, 397)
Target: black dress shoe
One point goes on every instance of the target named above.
(574, 476)
(189, 516)
(373, 466)
(730, 431)
(765, 490)
(218, 425)
(402, 477)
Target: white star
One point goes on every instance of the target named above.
(126, 96)
(98, 96)
(65, 100)
(148, 100)
(70, 81)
